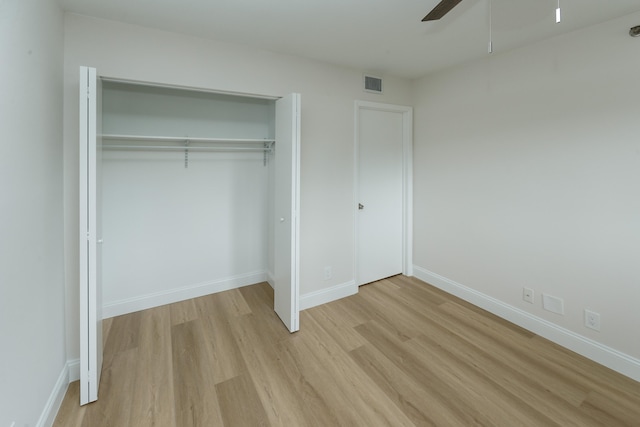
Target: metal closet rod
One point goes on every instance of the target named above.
(117, 137)
(181, 148)
(231, 144)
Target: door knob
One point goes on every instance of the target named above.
(360, 206)
(281, 219)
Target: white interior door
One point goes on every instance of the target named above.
(382, 189)
(90, 237)
(286, 228)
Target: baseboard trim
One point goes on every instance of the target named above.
(48, 416)
(600, 353)
(271, 279)
(74, 370)
(144, 302)
(324, 296)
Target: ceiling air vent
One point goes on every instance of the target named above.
(372, 84)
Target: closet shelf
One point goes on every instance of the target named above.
(122, 142)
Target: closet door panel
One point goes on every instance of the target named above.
(90, 237)
(286, 228)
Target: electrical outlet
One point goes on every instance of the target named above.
(553, 304)
(328, 273)
(591, 319)
(528, 295)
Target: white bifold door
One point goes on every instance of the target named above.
(286, 227)
(90, 237)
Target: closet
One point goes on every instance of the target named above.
(183, 192)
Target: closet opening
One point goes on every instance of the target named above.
(187, 194)
(183, 193)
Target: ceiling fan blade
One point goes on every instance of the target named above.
(441, 9)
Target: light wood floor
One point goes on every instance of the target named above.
(399, 353)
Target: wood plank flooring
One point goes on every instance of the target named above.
(399, 353)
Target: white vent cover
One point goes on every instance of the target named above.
(372, 84)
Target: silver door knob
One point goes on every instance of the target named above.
(360, 206)
(281, 219)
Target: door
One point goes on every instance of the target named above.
(286, 205)
(383, 143)
(90, 237)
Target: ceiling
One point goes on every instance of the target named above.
(385, 37)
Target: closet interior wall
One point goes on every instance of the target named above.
(180, 224)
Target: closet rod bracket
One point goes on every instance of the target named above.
(264, 155)
(186, 153)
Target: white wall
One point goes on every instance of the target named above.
(328, 95)
(527, 173)
(32, 331)
(172, 232)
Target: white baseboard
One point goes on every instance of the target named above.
(270, 279)
(144, 302)
(584, 346)
(52, 406)
(74, 369)
(324, 296)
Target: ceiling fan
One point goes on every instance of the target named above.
(440, 10)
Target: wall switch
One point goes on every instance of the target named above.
(328, 274)
(591, 319)
(553, 304)
(528, 295)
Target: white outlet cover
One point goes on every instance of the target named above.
(328, 273)
(553, 304)
(591, 319)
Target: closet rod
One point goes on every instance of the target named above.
(182, 139)
(182, 148)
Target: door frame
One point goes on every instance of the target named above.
(407, 181)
